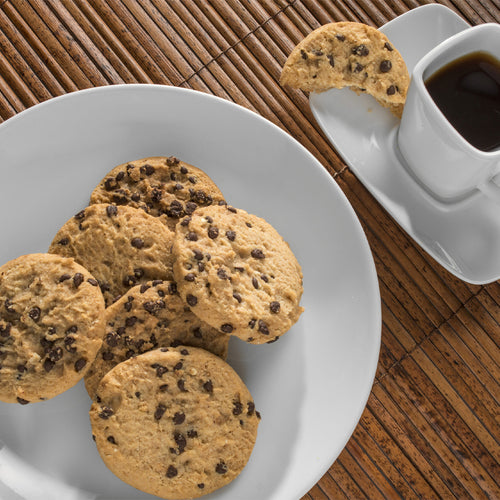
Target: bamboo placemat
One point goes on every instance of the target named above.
(431, 428)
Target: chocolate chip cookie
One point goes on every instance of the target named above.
(149, 316)
(121, 246)
(349, 54)
(163, 187)
(237, 273)
(174, 422)
(51, 326)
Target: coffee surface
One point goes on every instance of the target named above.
(467, 91)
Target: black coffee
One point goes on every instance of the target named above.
(467, 91)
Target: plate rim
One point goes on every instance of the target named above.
(371, 276)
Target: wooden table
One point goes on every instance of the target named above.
(431, 427)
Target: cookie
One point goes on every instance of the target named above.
(149, 316)
(349, 54)
(163, 187)
(121, 246)
(174, 422)
(237, 273)
(51, 326)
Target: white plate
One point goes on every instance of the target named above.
(463, 237)
(311, 386)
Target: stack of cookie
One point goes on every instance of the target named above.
(139, 294)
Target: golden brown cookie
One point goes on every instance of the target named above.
(237, 273)
(121, 246)
(174, 422)
(163, 187)
(149, 316)
(349, 54)
(51, 326)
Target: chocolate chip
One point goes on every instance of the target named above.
(340, 38)
(251, 323)
(391, 90)
(171, 472)
(191, 433)
(130, 353)
(78, 279)
(180, 385)
(331, 60)
(131, 321)
(201, 485)
(137, 394)
(112, 339)
(237, 296)
(68, 344)
(208, 386)
(64, 277)
(5, 330)
(80, 215)
(107, 355)
(191, 300)
(111, 439)
(110, 184)
(106, 412)
(275, 307)
(221, 468)
(80, 364)
(192, 179)
(255, 283)
(262, 327)
(385, 66)
(143, 288)
(303, 54)
(22, 401)
(163, 388)
(191, 236)
(226, 328)
(231, 235)
(93, 281)
(179, 417)
(178, 365)
(237, 408)
(201, 267)
(257, 253)
(221, 273)
(35, 313)
(388, 46)
(232, 209)
(358, 68)
(63, 241)
(180, 440)
(361, 50)
(55, 354)
(148, 170)
(160, 410)
(137, 243)
(48, 365)
(160, 369)
(213, 232)
(250, 408)
(189, 277)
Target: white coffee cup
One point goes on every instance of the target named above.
(438, 156)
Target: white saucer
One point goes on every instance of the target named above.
(464, 237)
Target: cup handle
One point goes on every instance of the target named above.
(491, 188)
